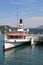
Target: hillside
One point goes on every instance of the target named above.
(40, 27)
(36, 30)
(32, 30)
(2, 28)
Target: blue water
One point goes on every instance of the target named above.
(23, 55)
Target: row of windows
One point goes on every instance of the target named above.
(15, 37)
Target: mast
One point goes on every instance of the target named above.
(17, 18)
(5, 33)
(5, 29)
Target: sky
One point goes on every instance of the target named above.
(31, 11)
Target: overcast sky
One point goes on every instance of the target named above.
(31, 11)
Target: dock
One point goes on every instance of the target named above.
(37, 39)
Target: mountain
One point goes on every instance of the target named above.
(37, 30)
(2, 28)
(40, 27)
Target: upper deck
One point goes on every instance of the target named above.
(17, 33)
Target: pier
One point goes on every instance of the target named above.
(37, 39)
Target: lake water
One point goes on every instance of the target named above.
(23, 55)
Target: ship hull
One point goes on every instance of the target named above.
(9, 45)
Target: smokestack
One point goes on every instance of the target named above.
(20, 21)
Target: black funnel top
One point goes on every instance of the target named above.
(20, 21)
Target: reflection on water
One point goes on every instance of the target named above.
(1, 54)
(24, 55)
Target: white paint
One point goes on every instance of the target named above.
(32, 41)
(8, 45)
(14, 44)
(20, 30)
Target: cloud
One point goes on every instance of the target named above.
(16, 3)
(34, 0)
(29, 22)
(41, 9)
(23, 2)
(8, 21)
(33, 21)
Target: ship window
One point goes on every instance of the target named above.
(12, 37)
(20, 37)
(15, 36)
(24, 37)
